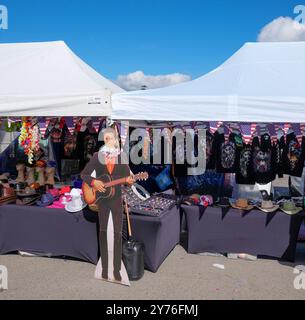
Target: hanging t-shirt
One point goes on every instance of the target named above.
(263, 159)
(208, 145)
(293, 155)
(57, 133)
(227, 152)
(244, 174)
(278, 147)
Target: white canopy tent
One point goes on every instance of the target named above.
(48, 79)
(262, 82)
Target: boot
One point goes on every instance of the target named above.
(50, 173)
(30, 179)
(104, 254)
(41, 176)
(20, 169)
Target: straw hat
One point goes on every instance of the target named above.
(290, 208)
(268, 206)
(242, 204)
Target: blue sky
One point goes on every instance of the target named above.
(156, 36)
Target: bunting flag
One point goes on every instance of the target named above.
(213, 126)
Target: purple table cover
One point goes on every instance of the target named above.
(56, 232)
(224, 230)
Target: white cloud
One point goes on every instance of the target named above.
(282, 29)
(136, 80)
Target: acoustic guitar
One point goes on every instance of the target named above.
(91, 195)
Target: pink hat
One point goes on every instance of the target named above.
(60, 204)
(66, 189)
(54, 192)
(206, 200)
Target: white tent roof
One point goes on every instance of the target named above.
(48, 79)
(262, 82)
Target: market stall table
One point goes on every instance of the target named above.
(224, 230)
(56, 232)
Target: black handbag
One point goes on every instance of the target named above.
(133, 253)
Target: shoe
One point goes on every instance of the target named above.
(117, 276)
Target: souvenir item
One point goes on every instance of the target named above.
(64, 190)
(227, 152)
(244, 173)
(50, 173)
(242, 204)
(7, 191)
(290, 208)
(61, 203)
(28, 196)
(35, 185)
(29, 139)
(163, 179)
(268, 206)
(206, 200)
(263, 159)
(27, 192)
(54, 192)
(41, 164)
(293, 155)
(19, 186)
(20, 169)
(46, 200)
(4, 177)
(153, 206)
(30, 175)
(77, 203)
(27, 201)
(41, 175)
(77, 183)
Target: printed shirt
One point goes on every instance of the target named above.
(293, 155)
(227, 152)
(263, 159)
(244, 173)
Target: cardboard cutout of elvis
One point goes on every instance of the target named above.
(104, 166)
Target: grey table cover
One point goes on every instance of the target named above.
(56, 232)
(223, 230)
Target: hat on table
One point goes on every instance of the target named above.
(61, 203)
(46, 200)
(289, 207)
(77, 202)
(268, 206)
(242, 204)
